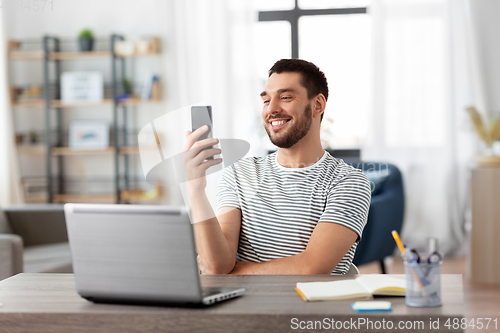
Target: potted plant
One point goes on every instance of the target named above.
(33, 135)
(86, 40)
(489, 133)
(127, 86)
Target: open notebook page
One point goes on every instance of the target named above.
(333, 290)
(380, 284)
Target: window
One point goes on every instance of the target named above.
(337, 39)
(345, 59)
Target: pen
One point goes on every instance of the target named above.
(415, 253)
(416, 271)
(408, 256)
(432, 249)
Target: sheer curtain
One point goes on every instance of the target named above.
(10, 185)
(212, 47)
(424, 76)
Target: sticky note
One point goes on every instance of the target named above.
(371, 306)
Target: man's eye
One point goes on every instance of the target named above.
(286, 97)
(265, 101)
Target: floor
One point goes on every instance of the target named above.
(480, 301)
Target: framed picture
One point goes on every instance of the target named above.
(82, 86)
(88, 134)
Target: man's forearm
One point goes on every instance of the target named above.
(297, 264)
(211, 244)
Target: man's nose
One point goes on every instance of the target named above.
(273, 106)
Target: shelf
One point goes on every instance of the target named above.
(33, 103)
(79, 55)
(129, 150)
(40, 149)
(36, 198)
(138, 55)
(128, 195)
(137, 194)
(34, 149)
(66, 151)
(91, 55)
(60, 104)
(105, 102)
(99, 198)
(38, 55)
(26, 55)
(138, 101)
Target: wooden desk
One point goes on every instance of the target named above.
(49, 303)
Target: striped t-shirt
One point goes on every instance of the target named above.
(280, 206)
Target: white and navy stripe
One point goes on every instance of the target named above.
(281, 206)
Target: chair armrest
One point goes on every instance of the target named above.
(382, 198)
(385, 215)
(11, 255)
(38, 224)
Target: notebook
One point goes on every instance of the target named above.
(363, 287)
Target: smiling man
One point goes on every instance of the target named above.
(296, 211)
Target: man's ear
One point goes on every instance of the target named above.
(319, 105)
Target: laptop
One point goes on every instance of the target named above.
(137, 254)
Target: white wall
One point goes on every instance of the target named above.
(104, 17)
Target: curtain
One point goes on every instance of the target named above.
(425, 75)
(10, 185)
(212, 49)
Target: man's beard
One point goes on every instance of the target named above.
(295, 133)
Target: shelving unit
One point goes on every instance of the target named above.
(54, 150)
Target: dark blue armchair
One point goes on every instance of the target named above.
(385, 214)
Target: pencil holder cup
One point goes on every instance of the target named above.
(423, 284)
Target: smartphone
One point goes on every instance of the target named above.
(202, 115)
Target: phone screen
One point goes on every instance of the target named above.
(202, 115)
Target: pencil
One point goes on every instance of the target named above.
(300, 294)
(399, 243)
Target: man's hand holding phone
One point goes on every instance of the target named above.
(199, 151)
(198, 157)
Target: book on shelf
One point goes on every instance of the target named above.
(363, 287)
(151, 88)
